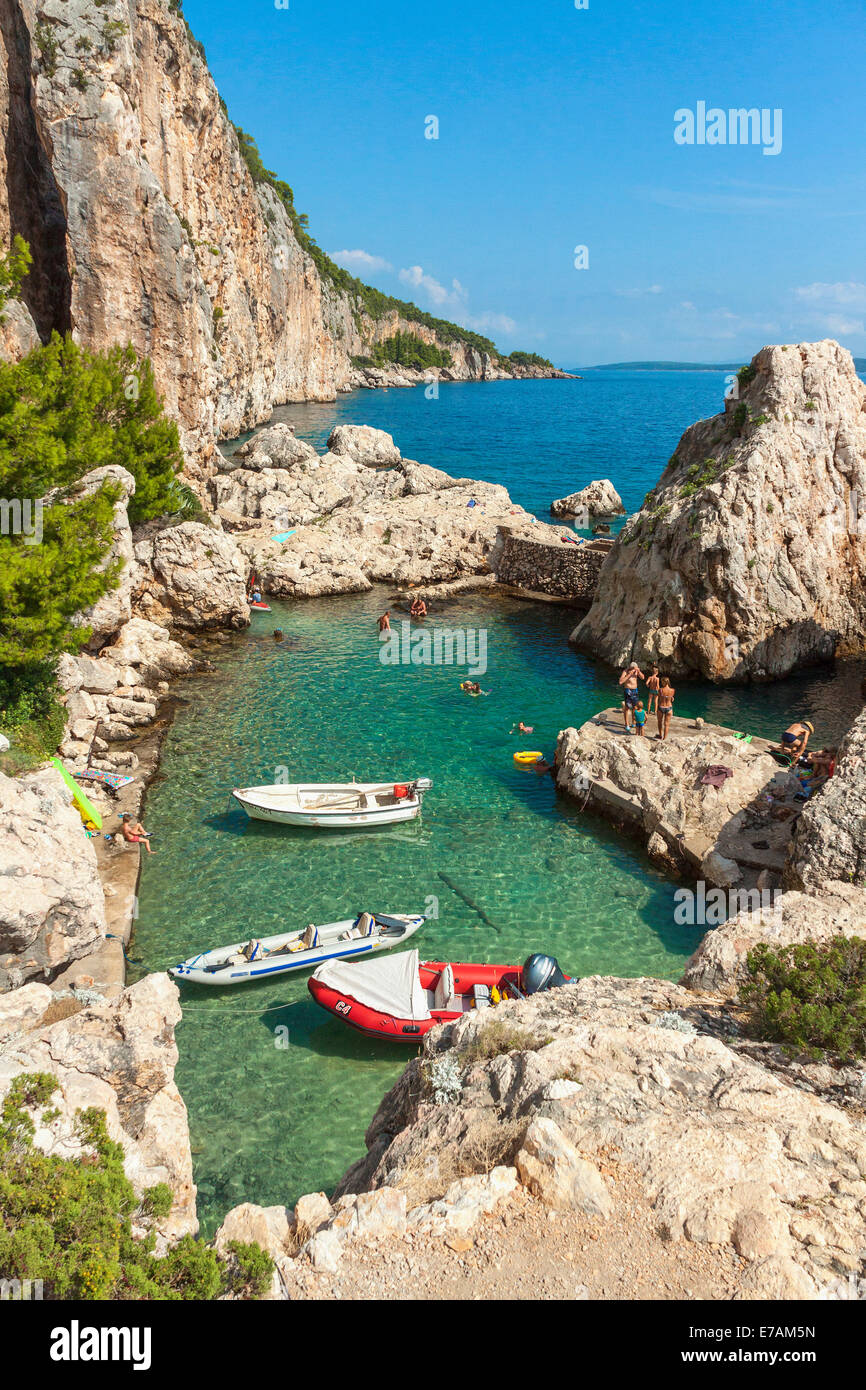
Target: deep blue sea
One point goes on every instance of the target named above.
(279, 1093)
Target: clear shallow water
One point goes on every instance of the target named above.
(268, 1120)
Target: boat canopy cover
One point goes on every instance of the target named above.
(390, 985)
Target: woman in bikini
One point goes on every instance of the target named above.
(665, 706)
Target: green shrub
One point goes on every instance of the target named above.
(811, 997)
(68, 1221)
(14, 266)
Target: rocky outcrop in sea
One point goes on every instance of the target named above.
(748, 558)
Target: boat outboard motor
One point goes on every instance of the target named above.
(541, 972)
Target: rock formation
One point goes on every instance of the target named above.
(830, 836)
(625, 1073)
(191, 576)
(120, 1057)
(360, 513)
(51, 907)
(748, 558)
(598, 498)
(726, 835)
(788, 919)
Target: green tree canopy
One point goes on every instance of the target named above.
(65, 411)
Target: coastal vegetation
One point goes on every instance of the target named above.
(405, 350)
(14, 266)
(69, 1221)
(529, 359)
(811, 997)
(64, 412)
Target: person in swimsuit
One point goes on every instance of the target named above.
(652, 686)
(629, 678)
(665, 706)
(418, 609)
(134, 834)
(640, 718)
(795, 738)
(385, 622)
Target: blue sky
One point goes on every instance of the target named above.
(556, 130)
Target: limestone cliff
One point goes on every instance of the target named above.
(121, 169)
(748, 558)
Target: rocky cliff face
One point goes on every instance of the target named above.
(748, 558)
(123, 172)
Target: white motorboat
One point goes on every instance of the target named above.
(325, 805)
(298, 950)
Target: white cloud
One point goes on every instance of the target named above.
(489, 323)
(839, 327)
(638, 293)
(360, 261)
(436, 292)
(849, 293)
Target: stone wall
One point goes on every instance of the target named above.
(559, 569)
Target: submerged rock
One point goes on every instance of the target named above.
(748, 558)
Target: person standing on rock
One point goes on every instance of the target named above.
(652, 686)
(665, 706)
(629, 678)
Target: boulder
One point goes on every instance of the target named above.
(374, 448)
(192, 576)
(274, 447)
(52, 910)
(550, 1166)
(21, 1009)
(748, 558)
(598, 498)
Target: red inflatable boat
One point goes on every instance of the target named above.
(401, 998)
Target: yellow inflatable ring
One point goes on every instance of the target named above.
(527, 758)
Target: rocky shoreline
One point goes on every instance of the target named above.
(539, 1145)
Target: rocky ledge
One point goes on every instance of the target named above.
(736, 833)
(358, 514)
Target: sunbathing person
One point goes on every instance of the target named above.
(134, 832)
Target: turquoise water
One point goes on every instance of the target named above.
(279, 1094)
